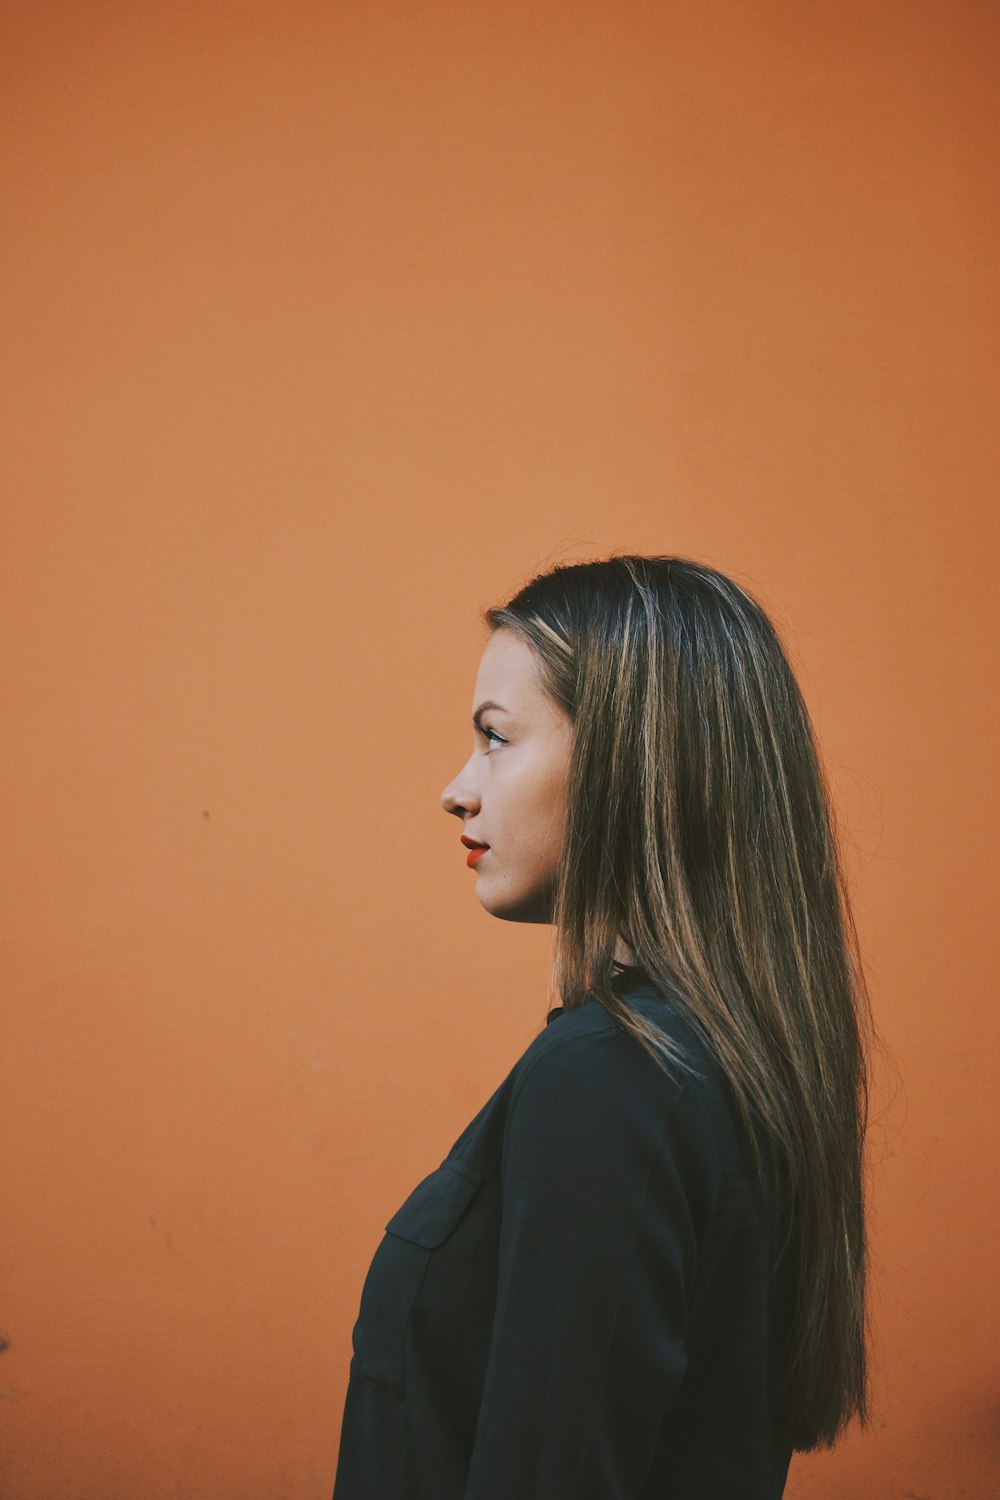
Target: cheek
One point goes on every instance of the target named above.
(530, 809)
(549, 812)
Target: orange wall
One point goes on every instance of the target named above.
(326, 325)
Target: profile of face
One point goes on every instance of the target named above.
(511, 792)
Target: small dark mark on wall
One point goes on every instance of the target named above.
(168, 1237)
(204, 813)
(3, 1343)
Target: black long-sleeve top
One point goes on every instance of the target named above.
(580, 1302)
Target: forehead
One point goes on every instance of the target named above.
(509, 674)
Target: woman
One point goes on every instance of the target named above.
(640, 1270)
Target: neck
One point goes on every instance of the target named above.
(623, 953)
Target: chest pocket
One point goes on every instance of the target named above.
(417, 1228)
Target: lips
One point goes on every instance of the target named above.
(476, 851)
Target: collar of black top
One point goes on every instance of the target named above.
(626, 978)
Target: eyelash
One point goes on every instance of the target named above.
(492, 732)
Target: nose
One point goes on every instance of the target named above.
(459, 798)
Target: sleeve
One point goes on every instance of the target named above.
(606, 1189)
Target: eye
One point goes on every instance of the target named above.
(492, 734)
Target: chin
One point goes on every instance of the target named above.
(533, 906)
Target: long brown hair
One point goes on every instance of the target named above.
(699, 826)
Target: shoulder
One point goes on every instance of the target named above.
(585, 1060)
(590, 1108)
(586, 1053)
(590, 1038)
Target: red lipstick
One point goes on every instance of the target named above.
(476, 851)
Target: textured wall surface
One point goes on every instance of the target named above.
(325, 325)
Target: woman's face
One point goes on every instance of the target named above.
(511, 792)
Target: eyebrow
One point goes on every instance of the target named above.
(483, 708)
